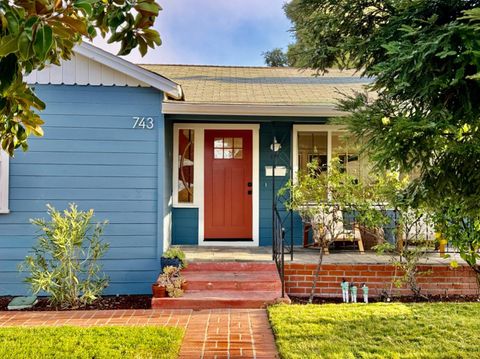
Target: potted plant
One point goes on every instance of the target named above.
(173, 281)
(159, 290)
(173, 257)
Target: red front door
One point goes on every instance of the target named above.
(228, 185)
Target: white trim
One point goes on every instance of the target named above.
(199, 173)
(312, 128)
(4, 179)
(72, 72)
(185, 108)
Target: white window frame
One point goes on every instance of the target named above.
(313, 128)
(199, 173)
(4, 179)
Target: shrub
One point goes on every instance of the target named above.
(176, 253)
(64, 260)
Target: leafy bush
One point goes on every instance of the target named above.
(175, 252)
(64, 260)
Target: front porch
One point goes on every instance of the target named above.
(300, 256)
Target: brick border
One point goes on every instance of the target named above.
(439, 280)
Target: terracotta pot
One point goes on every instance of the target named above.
(184, 286)
(159, 291)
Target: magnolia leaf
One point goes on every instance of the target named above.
(8, 44)
(24, 45)
(43, 41)
(147, 8)
(76, 25)
(12, 21)
(85, 6)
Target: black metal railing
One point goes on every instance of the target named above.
(279, 246)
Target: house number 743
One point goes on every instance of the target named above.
(143, 122)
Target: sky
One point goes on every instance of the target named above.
(215, 32)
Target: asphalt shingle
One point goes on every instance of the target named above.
(260, 85)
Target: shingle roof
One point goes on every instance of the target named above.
(259, 85)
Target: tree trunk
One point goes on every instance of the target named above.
(317, 273)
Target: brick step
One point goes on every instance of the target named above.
(213, 299)
(244, 280)
(230, 266)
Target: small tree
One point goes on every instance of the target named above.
(321, 199)
(412, 228)
(64, 260)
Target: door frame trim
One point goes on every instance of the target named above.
(199, 175)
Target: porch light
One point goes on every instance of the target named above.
(275, 146)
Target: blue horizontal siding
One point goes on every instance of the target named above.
(85, 158)
(118, 241)
(91, 170)
(92, 156)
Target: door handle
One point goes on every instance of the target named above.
(249, 184)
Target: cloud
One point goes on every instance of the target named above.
(223, 32)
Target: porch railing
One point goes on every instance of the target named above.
(279, 246)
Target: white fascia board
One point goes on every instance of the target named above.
(185, 108)
(105, 58)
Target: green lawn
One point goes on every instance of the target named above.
(393, 330)
(97, 342)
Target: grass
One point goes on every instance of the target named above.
(95, 342)
(383, 330)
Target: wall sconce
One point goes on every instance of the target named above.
(275, 146)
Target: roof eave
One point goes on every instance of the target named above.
(186, 108)
(155, 80)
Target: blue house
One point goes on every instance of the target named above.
(169, 154)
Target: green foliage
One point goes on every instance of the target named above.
(394, 330)
(424, 59)
(36, 33)
(172, 280)
(462, 230)
(320, 199)
(178, 253)
(64, 260)
(86, 343)
(275, 58)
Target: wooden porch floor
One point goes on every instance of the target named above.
(301, 255)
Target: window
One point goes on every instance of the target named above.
(4, 167)
(228, 148)
(322, 143)
(186, 157)
(313, 146)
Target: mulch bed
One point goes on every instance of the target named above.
(406, 299)
(104, 303)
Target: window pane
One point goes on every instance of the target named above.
(346, 149)
(238, 154)
(228, 142)
(227, 153)
(218, 153)
(218, 143)
(312, 146)
(238, 142)
(185, 165)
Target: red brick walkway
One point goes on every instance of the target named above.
(221, 333)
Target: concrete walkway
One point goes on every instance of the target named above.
(219, 333)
